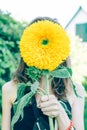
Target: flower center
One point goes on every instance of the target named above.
(45, 41)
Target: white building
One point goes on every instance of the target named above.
(78, 24)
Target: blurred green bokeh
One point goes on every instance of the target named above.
(84, 82)
(85, 114)
(10, 33)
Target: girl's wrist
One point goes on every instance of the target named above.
(70, 127)
(64, 120)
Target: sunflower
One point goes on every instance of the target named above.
(45, 45)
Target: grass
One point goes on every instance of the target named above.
(85, 114)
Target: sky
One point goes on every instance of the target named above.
(27, 10)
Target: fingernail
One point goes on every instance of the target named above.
(38, 105)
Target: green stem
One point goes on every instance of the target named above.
(51, 123)
(56, 124)
(47, 83)
(40, 93)
(42, 90)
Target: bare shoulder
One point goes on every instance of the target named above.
(8, 87)
(79, 101)
(9, 90)
(80, 90)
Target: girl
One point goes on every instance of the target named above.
(60, 90)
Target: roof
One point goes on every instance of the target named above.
(80, 8)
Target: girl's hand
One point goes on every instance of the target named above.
(50, 105)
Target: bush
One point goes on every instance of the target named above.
(10, 33)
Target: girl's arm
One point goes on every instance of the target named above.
(78, 109)
(6, 106)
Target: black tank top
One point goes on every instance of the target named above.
(31, 112)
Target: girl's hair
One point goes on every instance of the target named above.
(54, 20)
(58, 84)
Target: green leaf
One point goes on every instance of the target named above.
(23, 99)
(45, 72)
(74, 88)
(61, 73)
(21, 104)
(34, 73)
(15, 105)
(21, 89)
(69, 70)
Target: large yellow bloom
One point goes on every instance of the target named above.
(45, 45)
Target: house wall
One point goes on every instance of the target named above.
(81, 17)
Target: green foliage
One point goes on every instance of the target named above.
(0, 121)
(63, 72)
(10, 33)
(85, 114)
(23, 100)
(34, 73)
(85, 83)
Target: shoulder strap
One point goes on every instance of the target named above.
(68, 106)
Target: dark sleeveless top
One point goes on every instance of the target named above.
(30, 114)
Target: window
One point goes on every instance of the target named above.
(81, 31)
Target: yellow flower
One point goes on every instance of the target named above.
(45, 45)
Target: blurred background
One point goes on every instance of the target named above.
(15, 15)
